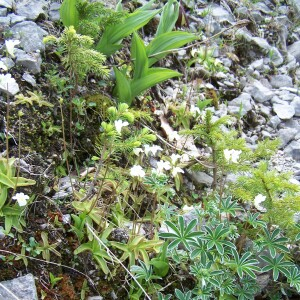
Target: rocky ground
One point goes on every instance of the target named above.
(249, 67)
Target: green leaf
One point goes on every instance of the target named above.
(113, 35)
(154, 76)
(6, 181)
(139, 57)
(167, 42)
(123, 89)
(69, 14)
(168, 17)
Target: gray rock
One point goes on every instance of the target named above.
(275, 56)
(284, 112)
(28, 78)
(60, 195)
(31, 9)
(274, 121)
(31, 61)
(14, 19)
(221, 15)
(294, 50)
(286, 135)
(279, 81)
(263, 280)
(200, 177)
(54, 11)
(296, 5)
(95, 298)
(293, 150)
(259, 92)
(3, 12)
(261, 43)
(19, 288)
(4, 21)
(8, 84)
(241, 104)
(296, 104)
(257, 64)
(30, 35)
(6, 3)
(262, 7)
(8, 62)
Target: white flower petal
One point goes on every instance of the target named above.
(137, 171)
(21, 198)
(137, 151)
(10, 46)
(119, 124)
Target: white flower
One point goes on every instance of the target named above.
(232, 155)
(153, 149)
(137, 171)
(137, 151)
(21, 198)
(176, 170)
(195, 110)
(187, 208)
(173, 135)
(119, 124)
(3, 66)
(163, 165)
(194, 52)
(10, 46)
(258, 200)
(184, 158)
(174, 158)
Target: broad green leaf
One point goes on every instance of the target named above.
(21, 181)
(3, 196)
(139, 57)
(168, 17)
(154, 76)
(122, 88)
(69, 14)
(114, 34)
(7, 181)
(167, 42)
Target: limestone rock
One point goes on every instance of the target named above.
(278, 81)
(286, 135)
(6, 3)
(31, 9)
(32, 61)
(200, 178)
(30, 35)
(241, 104)
(296, 104)
(284, 112)
(259, 92)
(19, 288)
(294, 50)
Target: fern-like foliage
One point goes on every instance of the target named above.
(208, 131)
(282, 196)
(77, 56)
(95, 16)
